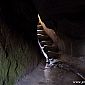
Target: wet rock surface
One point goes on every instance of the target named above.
(19, 49)
(16, 58)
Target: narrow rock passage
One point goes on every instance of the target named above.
(55, 55)
(59, 69)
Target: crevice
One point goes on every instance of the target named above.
(16, 67)
(7, 76)
(3, 42)
(3, 82)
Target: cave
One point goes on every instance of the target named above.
(42, 42)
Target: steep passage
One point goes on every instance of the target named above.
(54, 55)
(59, 69)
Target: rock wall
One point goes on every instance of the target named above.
(67, 16)
(19, 50)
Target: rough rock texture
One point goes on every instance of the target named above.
(19, 50)
(67, 16)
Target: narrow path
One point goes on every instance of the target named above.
(54, 54)
(59, 69)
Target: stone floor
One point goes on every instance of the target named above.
(49, 74)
